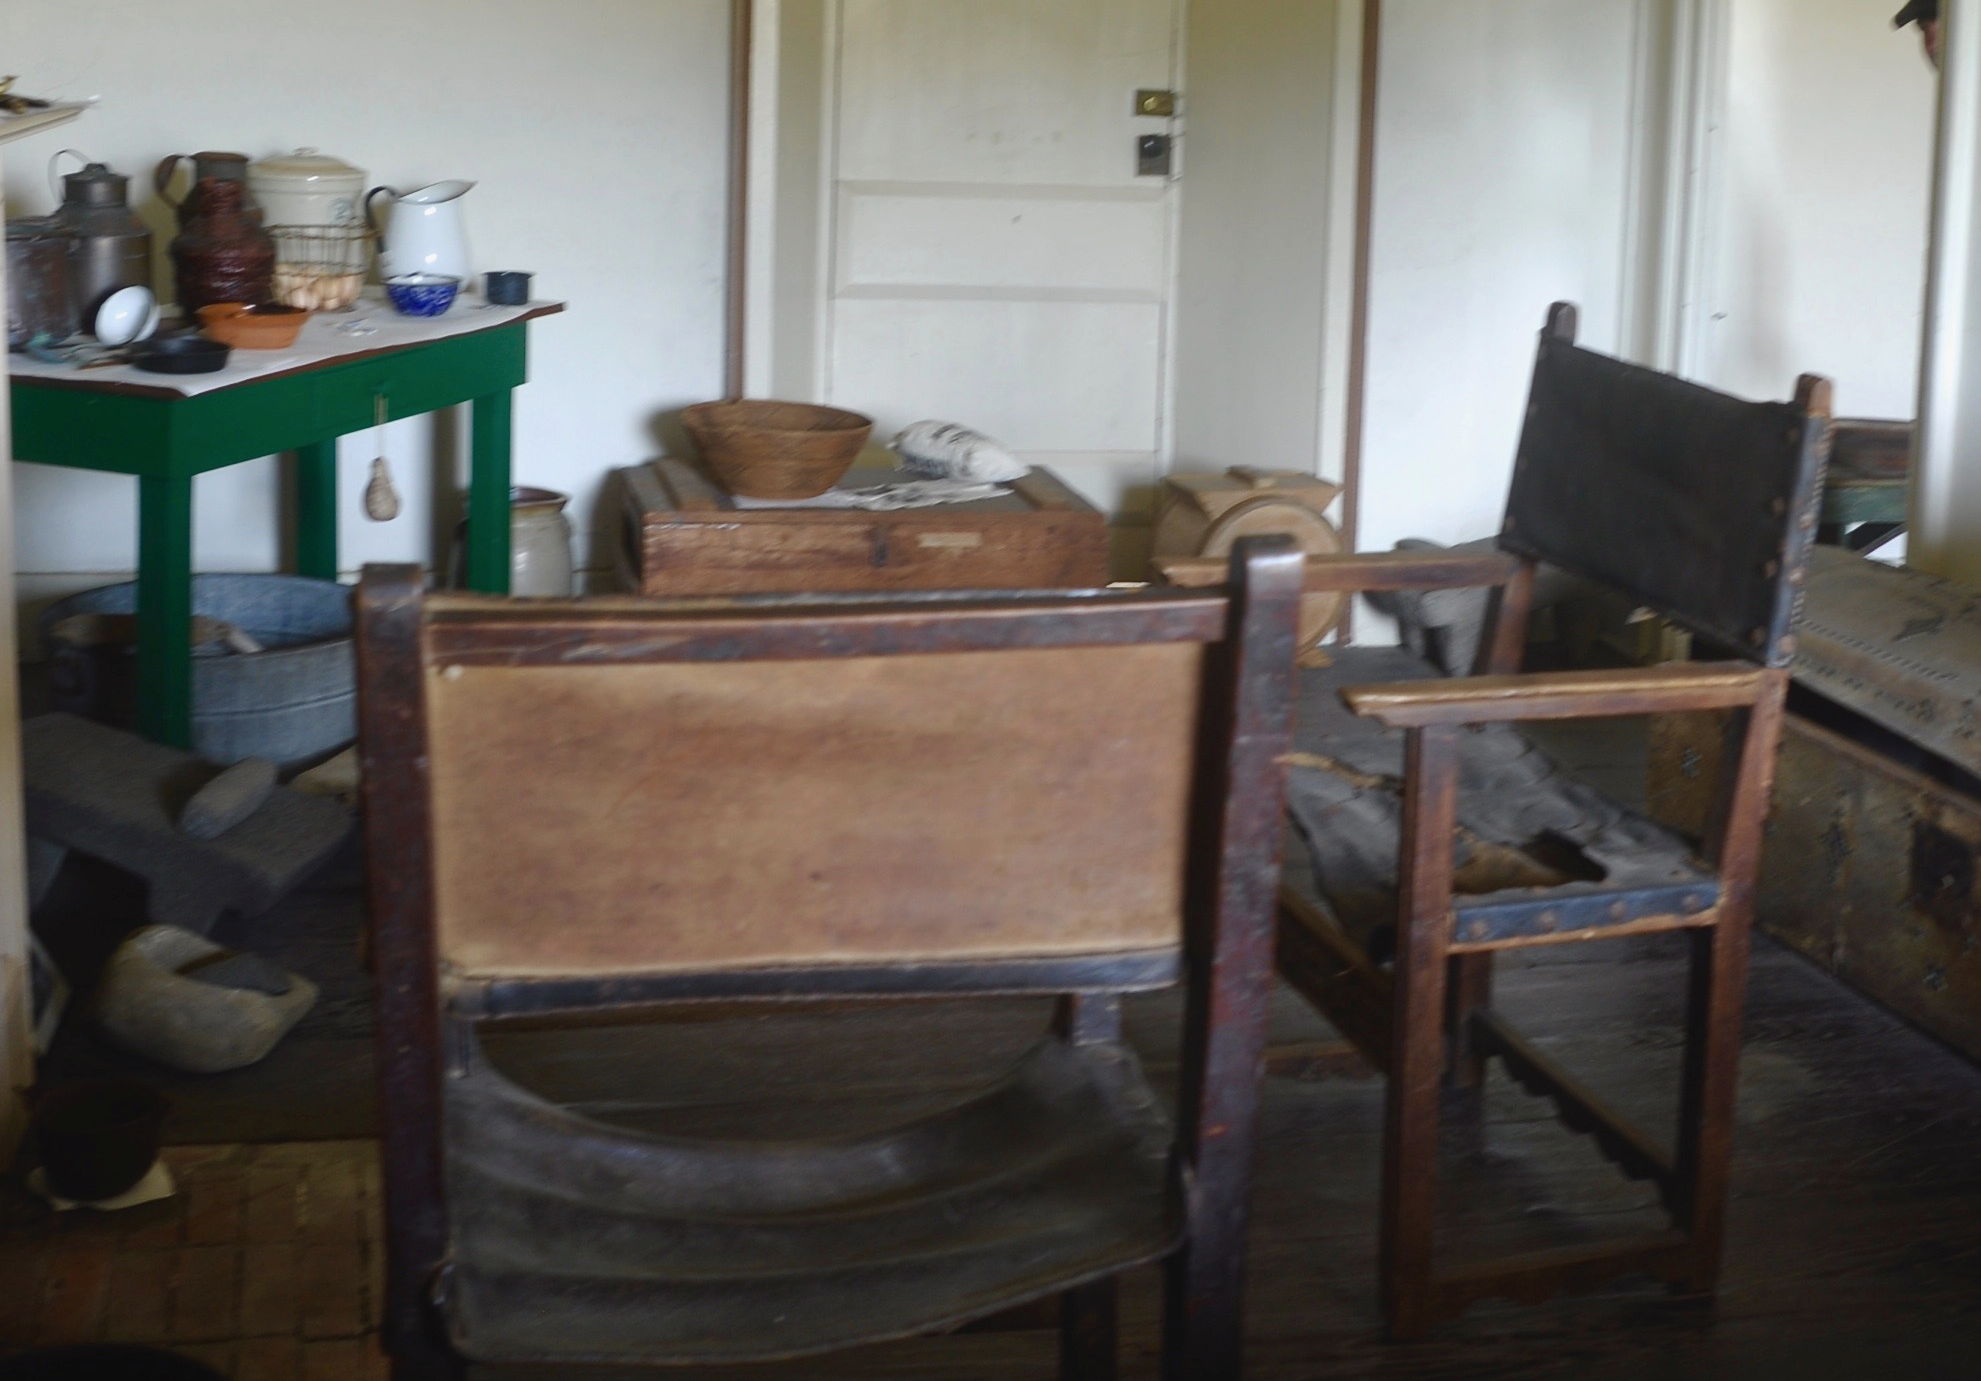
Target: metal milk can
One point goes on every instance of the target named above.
(110, 248)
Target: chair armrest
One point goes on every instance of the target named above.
(1562, 695)
(1359, 571)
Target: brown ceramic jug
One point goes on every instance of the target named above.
(222, 255)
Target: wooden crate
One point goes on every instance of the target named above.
(682, 535)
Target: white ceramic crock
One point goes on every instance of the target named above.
(307, 188)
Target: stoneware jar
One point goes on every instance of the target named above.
(222, 255)
(306, 188)
(540, 565)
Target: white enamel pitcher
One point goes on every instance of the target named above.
(423, 232)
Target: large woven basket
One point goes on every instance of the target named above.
(770, 450)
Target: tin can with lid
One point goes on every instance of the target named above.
(38, 298)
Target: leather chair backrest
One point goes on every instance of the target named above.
(1697, 505)
(703, 816)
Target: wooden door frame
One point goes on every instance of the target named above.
(755, 215)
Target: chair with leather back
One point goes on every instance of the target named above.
(575, 807)
(1437, 836)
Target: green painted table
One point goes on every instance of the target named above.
(145, 425)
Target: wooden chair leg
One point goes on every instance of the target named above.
(1087, 1348)
(1715, 999)
(1417, 1040)
(1470, 992)
(1203, 1335)
(1410, 1152)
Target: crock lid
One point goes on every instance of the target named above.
(306, 165)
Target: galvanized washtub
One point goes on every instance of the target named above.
(294, 702)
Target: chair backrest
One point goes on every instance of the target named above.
(1697, 505)
(629, 800)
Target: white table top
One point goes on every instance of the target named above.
(370, 328)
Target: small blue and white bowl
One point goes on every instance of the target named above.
(422, 294)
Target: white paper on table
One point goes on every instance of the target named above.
(888, 498)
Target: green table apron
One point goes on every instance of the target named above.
(166, 439)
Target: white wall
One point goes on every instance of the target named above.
(1503, 171)
(595, 129)
(1820, 252)
(1252, 287)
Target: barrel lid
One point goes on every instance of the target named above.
(306, 165)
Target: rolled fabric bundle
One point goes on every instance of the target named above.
(952, 451)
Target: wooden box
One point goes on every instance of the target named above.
(682, 535)
(1203, 515)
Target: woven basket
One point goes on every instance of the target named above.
(767, 450)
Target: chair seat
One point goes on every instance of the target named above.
(1538, 852)
(578, 1241)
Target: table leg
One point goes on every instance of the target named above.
(316, 510)
(165, 610)
(488, 495)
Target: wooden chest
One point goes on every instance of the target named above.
(1872, 862)
(682, 535)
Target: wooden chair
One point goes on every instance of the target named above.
(576, 807)
(1438, 837)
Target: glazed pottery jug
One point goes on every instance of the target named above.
(306, 188)
(423, 231)
(109, 247)
(222, 255)
(213, 163)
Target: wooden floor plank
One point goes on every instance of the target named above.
(268, 1359)
(1854, 1237)
(333, 1290)
(206, 1294)
(72, 1293)
(271, 1292)
(138, 1298)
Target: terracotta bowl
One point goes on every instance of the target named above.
(771, 450)
(262, 326)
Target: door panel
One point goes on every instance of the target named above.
(998, 90)
(1039, 375)
(995, 258)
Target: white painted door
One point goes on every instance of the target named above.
(993, 256)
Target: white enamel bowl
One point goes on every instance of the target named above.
(129, 314)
